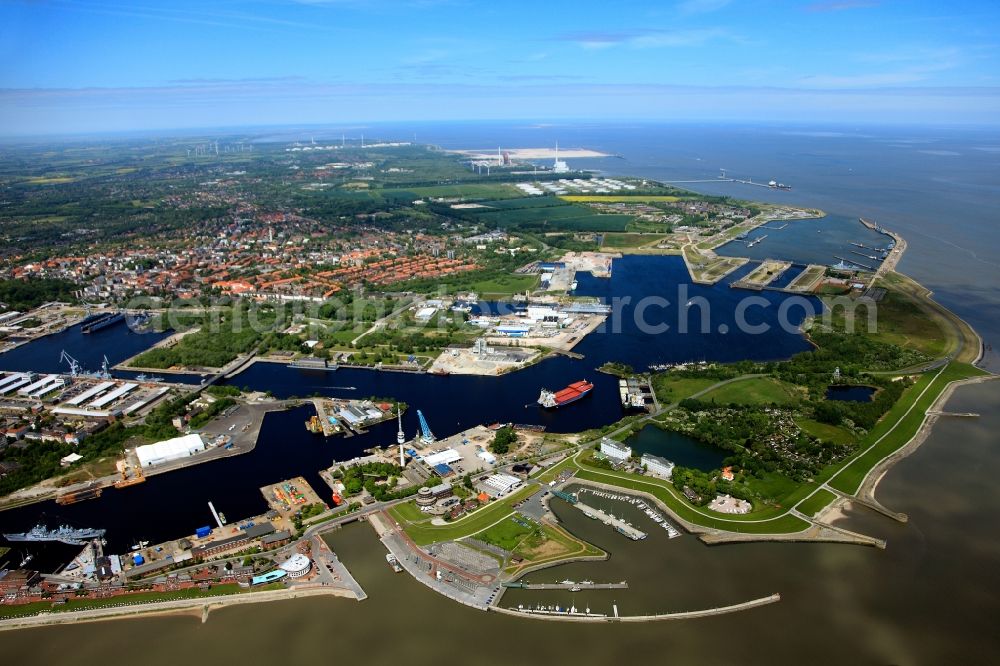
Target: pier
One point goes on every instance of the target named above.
(761, 277)
(961, 414)
(572, 614)
(619, 524)
(569, 585)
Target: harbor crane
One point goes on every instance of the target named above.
(74, 366)
(76, 370)
(427, 437)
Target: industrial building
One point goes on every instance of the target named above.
(119, 392)
(615, 450)
(499, 485)
(170, 449)
(92, 392)
(44, 385)
(257, 531)
(657, 466)
(442, 457)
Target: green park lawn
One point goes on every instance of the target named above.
(826, 432)
(424, 532)
(671, 389)
(507, 534)
(505, 285)
(754, 391)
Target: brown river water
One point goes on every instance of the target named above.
(929, 598)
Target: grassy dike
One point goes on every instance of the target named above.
(138, 598)
(900, 425)
(896, 428)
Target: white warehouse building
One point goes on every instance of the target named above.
(169, 449)
(501, 484)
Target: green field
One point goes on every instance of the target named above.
(550, 544)
(816, 503)
(526, 202)
(614, 240)
(507, 534)
(907, 317)
(547, 213)
(826, 432)
(466, 191)
(754, 391)
(505, 285)
(670, 388)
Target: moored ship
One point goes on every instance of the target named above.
(570, 394)
(63, 533)
(102, 322)
(393, 562)
(90, 492)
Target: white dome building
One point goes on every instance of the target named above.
(296, 566)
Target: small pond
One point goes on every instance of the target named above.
(849, 393)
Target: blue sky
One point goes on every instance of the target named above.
(86, 65)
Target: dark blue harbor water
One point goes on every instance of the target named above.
(786, 278)
(645, 291)
(677, 448)
(811, 241)
(849, 393)
(117, 342)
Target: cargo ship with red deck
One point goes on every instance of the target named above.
(572, 393)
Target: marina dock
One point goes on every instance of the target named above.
(608, 519)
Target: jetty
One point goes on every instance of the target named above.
(608, 519)
(568, 585)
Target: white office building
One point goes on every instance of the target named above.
(615, 450)
(657, 466)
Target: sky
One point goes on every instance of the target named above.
(72, 66)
